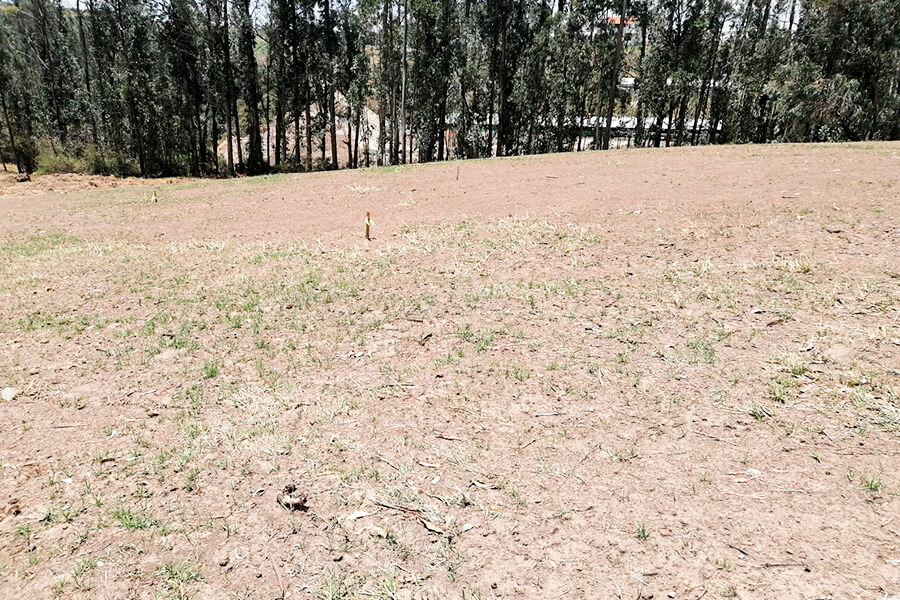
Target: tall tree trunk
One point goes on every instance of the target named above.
(46, 56)
(490, 140)
(87, 76)
(280, 127)
(501, 109)
(194, 135)
(670, 116)
(211, 93)
(395, 128)
(384, 62)
(394, 92)
(442, 125)
(356, 140)
(597, 142)
(698, 111)
(581, 112)
(639, 126)
(332, 117)
(214, 134)
(268, 117)
(12, 138)
(247, 46)
(201, 132)
(763, 25)
(137, 129)
(308, 139)
(296, 107)
(323, 112)
(876, 107)
(381, 133)
(614, 76)
(707, 81)
(349, 136)
(403, 67)
(308, 90)
(657, 137)
(229, 89)
(298, 136)
(329, 61)
(682, 109)
(237, 132)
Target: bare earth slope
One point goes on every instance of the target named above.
(662, 373)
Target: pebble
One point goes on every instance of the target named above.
(8, 394)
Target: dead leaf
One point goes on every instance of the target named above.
(433, 528)
(358, 515)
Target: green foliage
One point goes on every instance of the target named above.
(132, 87)
(57, 163)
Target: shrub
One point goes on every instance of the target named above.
(57, 163)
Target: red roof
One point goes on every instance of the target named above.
(616, 20)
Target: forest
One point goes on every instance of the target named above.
(222, 88)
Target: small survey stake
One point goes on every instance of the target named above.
(369, 224)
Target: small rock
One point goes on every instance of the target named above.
(8, 394)
(223, 560)
(670, 595)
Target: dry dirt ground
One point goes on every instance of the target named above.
(636, 374)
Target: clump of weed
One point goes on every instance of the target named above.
(175, 574)
(131, 520)
(518, 372)
(872, 483)
(211, 368)
(759, 412)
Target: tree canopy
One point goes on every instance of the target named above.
(219, 87)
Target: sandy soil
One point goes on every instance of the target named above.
(639, 374)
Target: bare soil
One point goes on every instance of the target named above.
(634, 374)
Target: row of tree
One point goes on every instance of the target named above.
(158, 87)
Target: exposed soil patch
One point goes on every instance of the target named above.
(626, 374)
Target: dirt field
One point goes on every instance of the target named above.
(635, 374)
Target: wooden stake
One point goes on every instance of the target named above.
(457, 172)
(368, 220)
